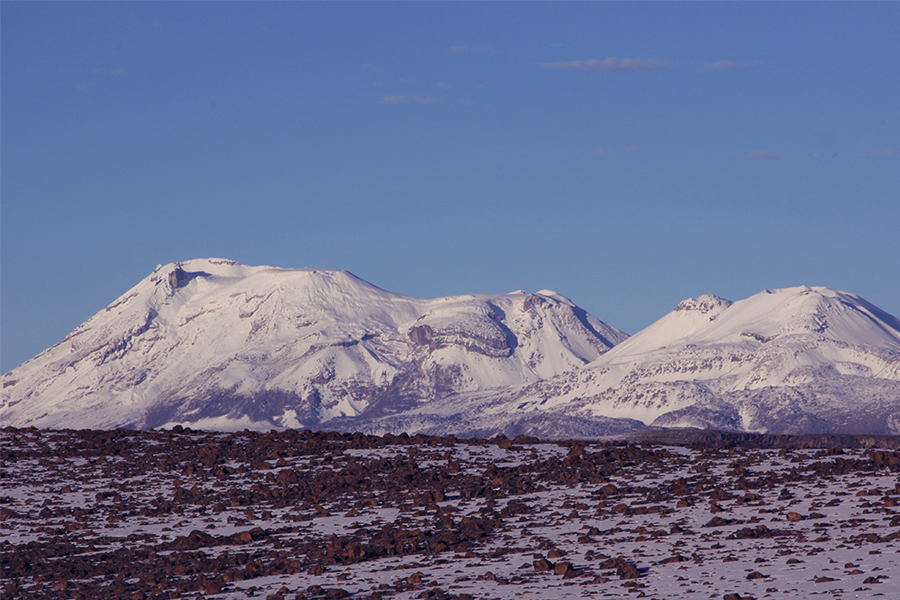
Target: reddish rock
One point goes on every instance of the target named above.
(542, 564)
(415, 578)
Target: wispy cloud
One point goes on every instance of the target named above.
(604, 150)
(117, 72)
(97, 76)
(725, 65)
(443, 85)
(407, 100)
(465, 101)
(764, 155)
(467, 49)
(891, 151)
(609, 64)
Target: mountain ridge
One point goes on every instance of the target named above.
(215, 344)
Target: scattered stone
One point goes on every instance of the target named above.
(206, 511)
(415, 578)
(542, 565)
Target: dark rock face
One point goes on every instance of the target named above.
(421, 335)
(178, 277)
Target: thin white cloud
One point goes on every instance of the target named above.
(725, 65)
(891, 151)
(609, 64)
(407, 100)
(764, 155)
(604, 150)
(468, 49)
(465, 101)
(117, 72)
(443, 85)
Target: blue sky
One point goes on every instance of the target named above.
(627, 155)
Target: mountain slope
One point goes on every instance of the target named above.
(783, 361)
(221, 345)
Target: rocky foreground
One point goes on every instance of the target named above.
(297, 514)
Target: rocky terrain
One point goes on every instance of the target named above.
(296, 514)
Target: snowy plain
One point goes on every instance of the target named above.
(302, 515)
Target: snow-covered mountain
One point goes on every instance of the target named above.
(219, 345)
(783, 361)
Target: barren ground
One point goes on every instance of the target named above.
(166, 514)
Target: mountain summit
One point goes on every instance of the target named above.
(215, 344)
